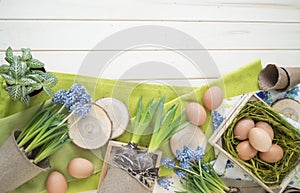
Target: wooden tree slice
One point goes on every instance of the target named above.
(92, 132)
(191, 136)
(118, 113)
(288, 107)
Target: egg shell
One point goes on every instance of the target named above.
(213, 98)
(275, 154)
(242, 128)
(195, 113)
(245, 151)
(260, 139)
(267, 127)
(56, 183)
(80, 168)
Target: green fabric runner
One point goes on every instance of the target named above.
(13, 115)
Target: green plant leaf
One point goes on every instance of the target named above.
(26, 81)
(35, 77)
(49, 80)
(48, 91)
(4, 68)
(36, 86)
(8, 79)
(9, 52)
(26, 55)
(9, 55)
(34, 63)
(18, 68)
(25, 100)
(14, 91)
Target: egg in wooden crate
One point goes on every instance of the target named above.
(260, 142)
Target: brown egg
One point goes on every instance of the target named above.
(195, 113)
(273, 155)
(213, 98)
(56, 183)
(267, 127)
(245, 151)
(260, 139)
(242, 128)
(80, 168)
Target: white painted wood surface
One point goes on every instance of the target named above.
(62, 33)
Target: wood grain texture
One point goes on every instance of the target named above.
(86, 35)
(63, 33)
(122, 66)
(154, 10)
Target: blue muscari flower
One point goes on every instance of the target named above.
(165, 183)
(180, 173)
(199, 154)
(75, 96)
(185, 165)
(60, 97)
(186, 154)
(80, 109)
(217, 119)
(168, 163)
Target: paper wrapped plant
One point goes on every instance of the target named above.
(25, 153)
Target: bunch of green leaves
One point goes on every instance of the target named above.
(144, 117)
(285, 135)
(48, 129)
(166, 125)
(153, 119)
(45, 133)
(25, 75)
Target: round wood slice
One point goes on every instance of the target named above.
(288, 107)
(92, 132)
(191, 136)
(118, 113)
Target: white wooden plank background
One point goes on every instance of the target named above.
(62, 33)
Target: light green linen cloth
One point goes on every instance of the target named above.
(13, 115)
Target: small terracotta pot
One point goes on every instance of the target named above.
(15, 167)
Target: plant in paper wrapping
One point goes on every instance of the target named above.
(42, 136)
(140, 164)
(195, 174)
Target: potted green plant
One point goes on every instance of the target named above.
(25, 76)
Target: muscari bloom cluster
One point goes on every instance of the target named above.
(48, 129)
(76, 100)
(195, 174)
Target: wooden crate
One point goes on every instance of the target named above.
(216, 141)
(108, 158)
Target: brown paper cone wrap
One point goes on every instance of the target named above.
(119, 181)
(15, 167)
(273, 78)
(294, 76)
